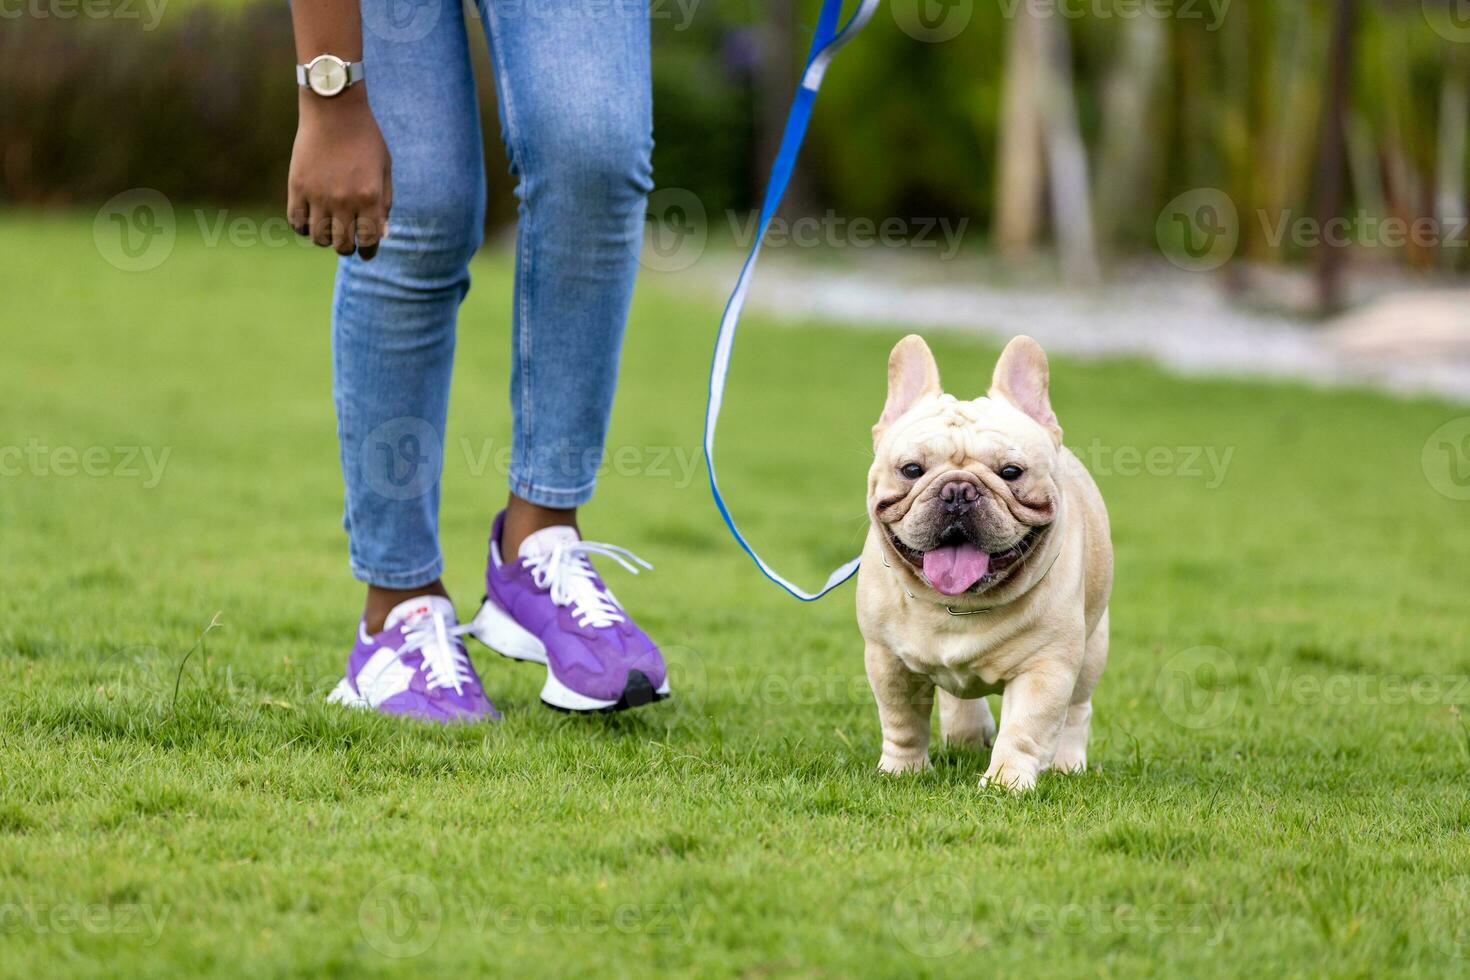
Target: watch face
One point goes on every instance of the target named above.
(327, 75)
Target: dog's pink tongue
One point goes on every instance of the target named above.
(955, 567)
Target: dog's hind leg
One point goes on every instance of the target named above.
(1071, 754)
(965, 721)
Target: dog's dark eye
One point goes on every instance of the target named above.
(911, 471)
(1011, 472)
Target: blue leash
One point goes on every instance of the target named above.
(829, 38)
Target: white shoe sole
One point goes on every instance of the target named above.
(495, 628)
(344, 695)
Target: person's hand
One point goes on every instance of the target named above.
(341, 184)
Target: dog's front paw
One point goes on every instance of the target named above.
(1016, 779)
(894, 762)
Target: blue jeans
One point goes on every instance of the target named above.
(573, 84)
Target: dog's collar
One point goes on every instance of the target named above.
(984, 609)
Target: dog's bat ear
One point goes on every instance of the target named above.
(1022, 378)
(912, 375)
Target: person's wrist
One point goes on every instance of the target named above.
(352, 99)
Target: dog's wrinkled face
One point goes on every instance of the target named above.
(963, 491)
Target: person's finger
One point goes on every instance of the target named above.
(321, 227)
(344, 230)
(297, 212)
(368, 234)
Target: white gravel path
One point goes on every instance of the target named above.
(1411, 342)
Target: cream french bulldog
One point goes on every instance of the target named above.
(987, 570)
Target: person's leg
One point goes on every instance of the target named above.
(393, 347)
(573, 81)
(394, 317)
(574, 89)
(523, 519)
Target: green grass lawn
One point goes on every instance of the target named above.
(1280, 769)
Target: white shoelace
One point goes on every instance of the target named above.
(446, 663)
(567, 573)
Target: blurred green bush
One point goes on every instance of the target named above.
(202, 106)
(199, 108)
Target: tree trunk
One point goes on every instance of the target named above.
(1449, 195)
(1066, 155)
(1364, 167)
(1020, 170)
(1127, 163)
(1331, 155)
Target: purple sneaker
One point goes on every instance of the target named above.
(549, 606)
(417, 666)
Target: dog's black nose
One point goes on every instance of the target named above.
(959, 495)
